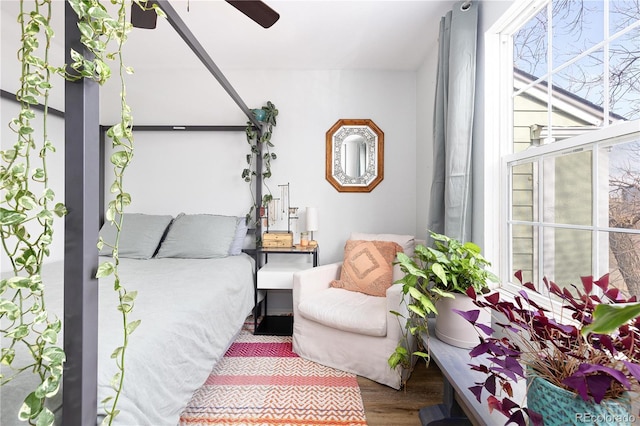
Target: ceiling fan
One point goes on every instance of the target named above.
(257, 10)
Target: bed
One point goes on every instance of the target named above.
(194, 294)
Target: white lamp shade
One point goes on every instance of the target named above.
(312, 219)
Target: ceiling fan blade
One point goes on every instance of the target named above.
(256, 10)
(144, 18)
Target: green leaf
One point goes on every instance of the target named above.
(48, 387)
(53, 355)
(416, 309)
(9, 309)
(607, 318)
(7, 355)
(11, 217)
(415, 293)
(45, 418)
(116, 353)
(120, 158)
(438, 270)
(30, 407)
(19, 332)
(130, 296)
(105, 269)
(131, 327)
(50, 336)
(19, 282)
(60, 210)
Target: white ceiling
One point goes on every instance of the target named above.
(311, 34)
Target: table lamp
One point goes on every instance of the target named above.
(312, 224)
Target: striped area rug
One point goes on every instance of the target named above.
(260, 381)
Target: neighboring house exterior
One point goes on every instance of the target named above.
(567, 181)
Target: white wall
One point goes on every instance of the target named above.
(55, 165)
(207, 178)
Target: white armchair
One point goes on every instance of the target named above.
(349, 330)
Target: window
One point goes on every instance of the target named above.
(570, 144)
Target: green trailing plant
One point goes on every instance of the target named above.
(447, 268)
(259, 141)
(26, 217)
(27, 212)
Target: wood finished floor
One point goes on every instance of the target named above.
(385, 406)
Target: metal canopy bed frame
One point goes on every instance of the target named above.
(84, 188)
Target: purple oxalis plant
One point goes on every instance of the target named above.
(528, 338)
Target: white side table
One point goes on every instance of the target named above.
(277, 276)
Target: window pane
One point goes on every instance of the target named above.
(530, 46)
(578, 98)
(624, 65)
(530, 113)
(624, 76)
(622, 166)
(577, 27)
(567, 255)
(567, 189)
(622, 13)
(623, 260)
(523, 179)
(559, 202)
(522, 244)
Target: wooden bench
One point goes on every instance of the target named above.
(460, 406)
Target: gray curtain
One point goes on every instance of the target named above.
(450, 211)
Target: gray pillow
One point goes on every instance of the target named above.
(140, 235)
(199, 236)
(238, 239)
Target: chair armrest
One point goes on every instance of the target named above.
(312, 280)
(394, 299)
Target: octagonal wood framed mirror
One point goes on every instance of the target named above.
(355, 155)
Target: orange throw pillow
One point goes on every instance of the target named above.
(368, 266)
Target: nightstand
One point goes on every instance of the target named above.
(277, 276)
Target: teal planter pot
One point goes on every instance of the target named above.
(559, 407)
(260, 114)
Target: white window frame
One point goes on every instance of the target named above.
(498, 135)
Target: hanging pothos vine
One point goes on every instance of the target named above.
(26, 211)
(267, 115)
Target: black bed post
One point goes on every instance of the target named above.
(82, 127)
(259, 186)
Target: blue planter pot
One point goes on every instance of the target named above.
(560, 407)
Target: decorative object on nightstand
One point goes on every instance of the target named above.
(312, 224)
(275, 211)
(304, 239)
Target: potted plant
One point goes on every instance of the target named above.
(576, 369)
(436, 280)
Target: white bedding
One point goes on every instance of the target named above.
(191, 309)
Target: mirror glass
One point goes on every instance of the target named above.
(355, 155)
